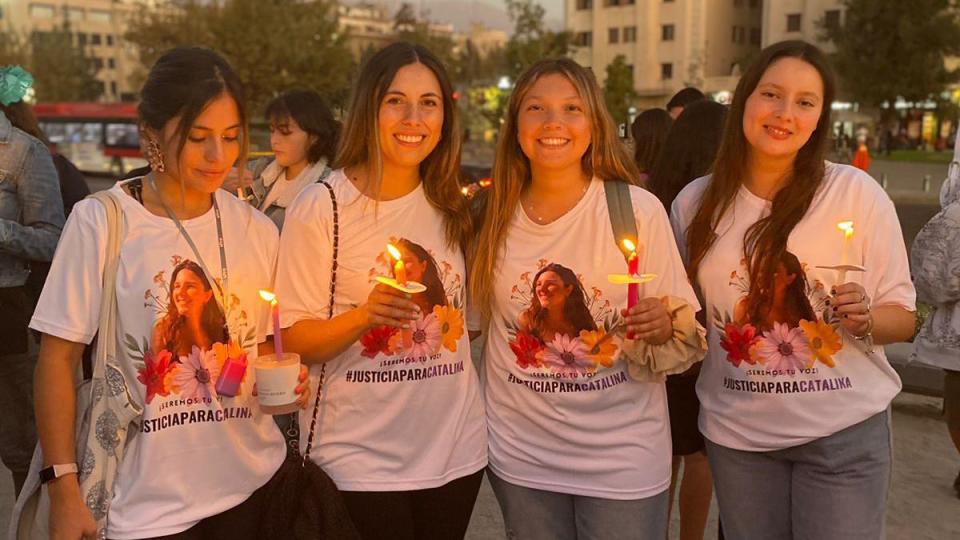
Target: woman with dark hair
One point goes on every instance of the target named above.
(579, 446)
(192, 317)
(801, 405)
(558, 306)
(193, 128)
(689, 151)
(649, 130)
(401, 430)
(688, 154)
(303, 138)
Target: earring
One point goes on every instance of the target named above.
(155, 156)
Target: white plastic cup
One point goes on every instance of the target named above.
(277, 379)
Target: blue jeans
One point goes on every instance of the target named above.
(533, 514)
(833, 488)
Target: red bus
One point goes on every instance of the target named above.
(99, 138)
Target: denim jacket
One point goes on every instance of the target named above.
(31, 209)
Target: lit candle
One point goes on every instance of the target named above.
(465, 191)
(847, 228)
(399, 270)
(275, 313)
(485, 182)
(633, 269)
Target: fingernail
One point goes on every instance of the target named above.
(406, 327)
(828, 302)
(833, 292)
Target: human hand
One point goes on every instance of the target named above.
(849, 301)
(387, 306)
(649, 320)
(70, 519)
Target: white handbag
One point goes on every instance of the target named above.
(105, 417)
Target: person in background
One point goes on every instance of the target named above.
(31, 218)
(683, 98)
(688, 154)
(649, 130)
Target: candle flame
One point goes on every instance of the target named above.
(465, 190)
(394, 252)
(846, 227)
(268, 296)
(485, 182)
(628, 245)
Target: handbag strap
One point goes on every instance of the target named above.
(107, 345)
(333, 290)
(620, 209)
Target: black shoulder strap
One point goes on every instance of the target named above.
(620, 208)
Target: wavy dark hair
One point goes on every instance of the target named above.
(796, 298)
(575, 309)
(172, 326)
(689, 151)
(435, 293)
(649, 130)
(765, 241)
(440, 171)
(309, 110)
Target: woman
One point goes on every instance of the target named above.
(401, 429)
(649, 130)
(577, 448)
(688, 154)
(789, 303)
(558, 305)
(193, 127)
(192, 316)
(422, 268)
(803, 407)
(303, 138)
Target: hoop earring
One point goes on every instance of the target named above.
(155, 156)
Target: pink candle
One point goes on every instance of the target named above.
(275, 313)
(633, 269)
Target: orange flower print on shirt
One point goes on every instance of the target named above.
(451, 326)
(823, 340)
(600, 348)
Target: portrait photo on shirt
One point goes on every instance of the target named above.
(441, 322)
(779, 329)
(562, 331)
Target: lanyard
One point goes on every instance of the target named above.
(222, 298)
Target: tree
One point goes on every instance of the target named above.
(890, 48)
(618, 91)
(531, 41)
(295, 44)
(62, 70)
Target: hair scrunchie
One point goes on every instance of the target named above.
(14, 83)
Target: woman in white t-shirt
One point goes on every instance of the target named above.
(578, 448)
(401, 427)
(202, 450)
(796, 390)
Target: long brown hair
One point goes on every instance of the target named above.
(765, 241)
(440, 171)
(575, 310)
(606, 158)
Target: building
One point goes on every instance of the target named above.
(800, 19)
(98, 25)
(370, 25)
(669, 44)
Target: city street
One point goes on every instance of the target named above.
(922, 505)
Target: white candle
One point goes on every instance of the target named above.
(847, 228)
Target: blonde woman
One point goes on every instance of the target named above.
(578, 449)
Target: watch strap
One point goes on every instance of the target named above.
(56, 471)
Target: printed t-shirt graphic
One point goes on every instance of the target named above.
(783, 373)
(563, 413)
(202, 447)
(399, 410)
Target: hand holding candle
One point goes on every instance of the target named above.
(277, 373)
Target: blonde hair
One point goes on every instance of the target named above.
(606, 158)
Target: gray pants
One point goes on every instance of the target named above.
(831, 488)
(18, 432)
(533, 514)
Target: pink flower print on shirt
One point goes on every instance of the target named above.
(196, 375)
(566, 355)
(783, 348)
(425, 334)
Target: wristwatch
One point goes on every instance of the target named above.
(56, 471)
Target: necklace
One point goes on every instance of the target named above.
(531, 210)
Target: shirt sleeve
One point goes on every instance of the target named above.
(887, 276)
(305, 258)
(678, 224)
(69, 306)
(660, 254)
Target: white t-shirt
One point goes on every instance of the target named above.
(798, 376)
(197, 454)
(392, 417)
(563, 413)
(282, 191)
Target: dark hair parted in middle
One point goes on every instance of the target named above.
(181, 84)
(308, 109)
(649, 130)
(766, 240)
(440, 171)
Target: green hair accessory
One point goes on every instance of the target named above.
(14, 83)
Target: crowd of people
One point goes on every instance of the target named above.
(741, 342)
